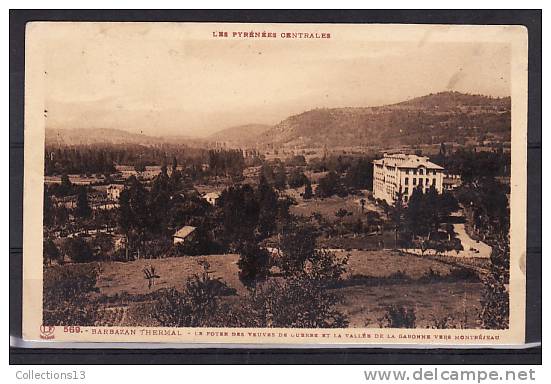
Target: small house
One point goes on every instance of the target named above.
(183, 234)
(114, 191)
(211, 197)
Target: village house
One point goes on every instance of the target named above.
(396, 173)
(68, 202)
(211, 197)
(114, 191)
(104, 196)
(183, 234)
(451, 181)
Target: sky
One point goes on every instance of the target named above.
(177, 81)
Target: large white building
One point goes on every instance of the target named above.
(401, 172)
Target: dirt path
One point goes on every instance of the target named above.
(471, 247)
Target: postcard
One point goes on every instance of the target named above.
(275, 184)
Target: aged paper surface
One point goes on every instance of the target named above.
(188, 116)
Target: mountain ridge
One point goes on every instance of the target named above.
(444, 116)
(239, 133)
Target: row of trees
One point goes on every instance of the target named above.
(79, 160)
(147, 216)
(251, 214)
(424, 213)
(472, 165)
(419, 223)
(486, 206)
(226, 162)
(274, 174)
(356, 172)
(79, 249)
(101, 159)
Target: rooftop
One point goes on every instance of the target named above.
(214, 194)
(184, 231)
(402, 160)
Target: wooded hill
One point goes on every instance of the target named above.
(435, 118)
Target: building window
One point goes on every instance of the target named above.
(406, 190)
(406, 181)
(415, 171)
(427, 181)
(421, 171)
(414, 181)
(407, 171)
(434, 181)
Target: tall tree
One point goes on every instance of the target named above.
(49, 210)
(397, 216)
(297, 245)
(134, 219)
(280, 177)
(268, 206)
(51, 252)
(83, 209)
(254, 263)
(66, 187)
(174, 164)
(308, 190)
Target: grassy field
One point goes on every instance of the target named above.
(366, 305)
(329, 206)
(388, 263)
(374, 281)
(118, 277)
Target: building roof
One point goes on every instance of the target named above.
(402, 160)
(451, 181)
(414, 164)
(214, 194)
(184, 231)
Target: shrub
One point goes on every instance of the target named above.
(254, 263)
(342, 213)
(399, 275)
(445, 322)
(195, 306)
(325, 266)
(455, 274)
(65, 295)
(300, 301)
(103, 246)
(78, 250)
(297, 179)
(308, 194)
(300, 256)
(399, 317)
(431, 276)
(495, 299)
(297, 245)
(51, 252)
(448, 322)
(329, 186)
(463, 274)
(297, 302)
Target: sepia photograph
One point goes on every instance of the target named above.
(299, 183)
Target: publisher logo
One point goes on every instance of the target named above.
(47, 332)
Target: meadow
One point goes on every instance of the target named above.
(327, 207)
(374, 281)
